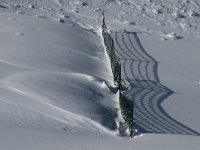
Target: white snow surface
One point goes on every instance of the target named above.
(56, 88)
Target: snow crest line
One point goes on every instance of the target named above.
(140, 72)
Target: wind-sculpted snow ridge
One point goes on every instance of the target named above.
(140, 74)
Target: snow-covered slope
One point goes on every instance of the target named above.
(56, 84)
(144, 15)
(53, 76)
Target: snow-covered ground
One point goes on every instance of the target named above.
(56, 88)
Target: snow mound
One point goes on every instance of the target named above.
(54, 76)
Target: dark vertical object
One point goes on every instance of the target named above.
(119, 78)
(132, 127)
(104, 23)
(126, 105)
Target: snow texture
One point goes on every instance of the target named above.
(56, 83)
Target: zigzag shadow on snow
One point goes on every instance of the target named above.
(140, 72)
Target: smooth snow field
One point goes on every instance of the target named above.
(56, 83)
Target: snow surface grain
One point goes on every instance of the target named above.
(56, 83)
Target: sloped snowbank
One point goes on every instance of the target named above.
(53, 76)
